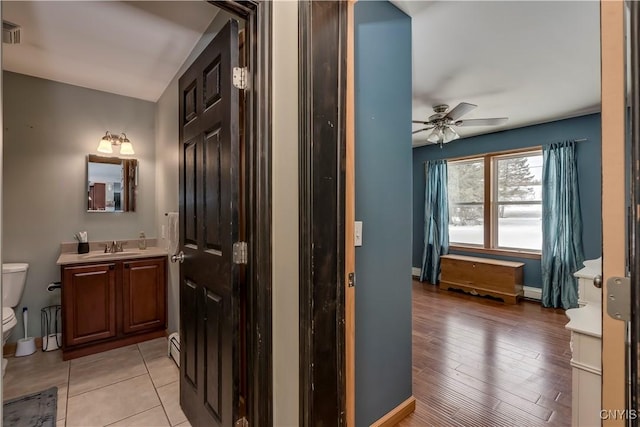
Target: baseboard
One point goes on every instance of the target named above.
(397, 414)
(415, 271)
(532, 293)
(9, 348)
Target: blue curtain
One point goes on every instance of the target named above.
(561, 226)
(436, 219)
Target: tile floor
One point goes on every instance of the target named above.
(135, 385)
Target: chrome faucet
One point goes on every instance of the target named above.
(114, 247)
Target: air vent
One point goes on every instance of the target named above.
(10, 33)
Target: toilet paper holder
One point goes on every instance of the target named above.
(50, 322)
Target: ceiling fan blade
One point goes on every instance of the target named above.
(482, 122)
(460, 110)
(421, 130)
(419, 121)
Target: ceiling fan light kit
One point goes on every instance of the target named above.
(442, 123)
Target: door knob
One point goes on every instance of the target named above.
(179, 257)
(597, 281)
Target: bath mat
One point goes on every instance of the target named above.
(33, 410)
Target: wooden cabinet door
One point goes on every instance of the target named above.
(144, 295)
(89, 298)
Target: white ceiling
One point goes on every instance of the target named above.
(531, 61)
(128, 48)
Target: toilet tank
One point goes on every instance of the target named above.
(14, 277)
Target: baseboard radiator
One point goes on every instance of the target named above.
(174, 347)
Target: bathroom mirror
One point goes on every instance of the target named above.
(111, 184)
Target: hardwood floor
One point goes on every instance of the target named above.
(480, 362)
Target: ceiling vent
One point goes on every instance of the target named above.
(10, 33)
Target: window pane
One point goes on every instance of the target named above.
(519, 180)
(466, 195)
(520, 227)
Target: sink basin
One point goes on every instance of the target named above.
(111, 254)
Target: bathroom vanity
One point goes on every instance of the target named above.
(111, 300)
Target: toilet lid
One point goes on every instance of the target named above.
(7, 315)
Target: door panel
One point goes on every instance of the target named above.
(189, 337)
(214, 376)
(190, 181)
(212, 201)
(89, 293)
(613, 201)
(209, 200)
(144, 297)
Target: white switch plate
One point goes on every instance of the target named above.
(163, 233)
(357, 231)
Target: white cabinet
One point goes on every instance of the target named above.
(585, 324)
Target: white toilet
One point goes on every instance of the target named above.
(14, 277)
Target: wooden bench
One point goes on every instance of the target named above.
(483, 276)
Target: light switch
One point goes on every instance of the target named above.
(357, 230)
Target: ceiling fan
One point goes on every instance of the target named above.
(443, 123)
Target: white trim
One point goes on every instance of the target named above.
(532, 293)
(593, 369)
(415, 272)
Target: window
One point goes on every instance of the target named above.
(495, 201)
(465, 182)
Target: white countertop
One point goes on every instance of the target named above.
(587, 273)
(66, 258)
(585, 320)
(591, 269)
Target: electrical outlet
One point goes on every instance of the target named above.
(357, 230)
(163, 232)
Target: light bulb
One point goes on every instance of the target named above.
(105, 146)
(449, 134)
(126, 148)
(435, 136)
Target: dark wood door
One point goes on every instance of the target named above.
(89, 298)
(209, 214)
(99, 196)
(144, 295)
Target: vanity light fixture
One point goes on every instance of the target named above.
(109, 140)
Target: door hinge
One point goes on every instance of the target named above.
(618, 294)
(240, 77)
(240, 253)
(352, 280)
(242, 422)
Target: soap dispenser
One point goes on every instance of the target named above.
(142, 241)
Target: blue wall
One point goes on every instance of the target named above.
(383, 195)
(589, 170)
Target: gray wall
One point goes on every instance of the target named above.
(49, 129)
(383, 198)
(589, 170)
